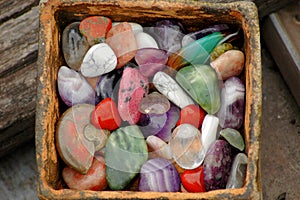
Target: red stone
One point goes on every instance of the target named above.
(191, 114)
(193, 180)
(95, 179)
(95, 28)
(122, 41)
(106, 115)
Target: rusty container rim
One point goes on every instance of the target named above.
(47, 107)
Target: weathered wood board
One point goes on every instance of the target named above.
(19, 25)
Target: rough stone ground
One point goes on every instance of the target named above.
(280, 152)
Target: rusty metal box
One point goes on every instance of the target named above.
(56, 14)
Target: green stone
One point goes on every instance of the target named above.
(125, 153)
(201, 83)
(220, 49)
(233, 137)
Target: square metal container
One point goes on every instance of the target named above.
(56, 14)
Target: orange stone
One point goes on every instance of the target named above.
(122, 41)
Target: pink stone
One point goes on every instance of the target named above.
(133, 87)
(122, 41)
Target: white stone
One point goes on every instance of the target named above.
(209, 130)
(238, 171)
(144, 40)
(99, 59)
(170, 88)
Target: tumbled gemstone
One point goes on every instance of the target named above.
(233, 137)
(172, 117)
(125, 153)
(168, 34)
(151, 124)
(122, 40)
(209, 130)
(95, 135)
(230, 63)
(94, 179)
(201, 83)
(74, 45)
(144, 40)
(219, 50)
(217, 165)
(73, 147)
(108, 85)
(231, 113)
(159, 147)
(196, 52)
(99, 59)
(186, 146)
(150, 60)
(193, 180)
(170, 88)
(73, 88)
(159, 175)
(95, 28)
(133, 87)
(238, 171)
(136, 28)
(155, 103)
(191, 37)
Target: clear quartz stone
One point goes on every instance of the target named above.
(186, 146)
(238, 171)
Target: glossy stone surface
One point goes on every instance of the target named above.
(170, 88)
(231, 113)
(125, 153)
(172, 117)
(209, 130)
(151, 124)
(159, 175)
(150, 60)
(136, 28)
(122, 41)
(219, 50)
(191, 37)
(133, 87)
(168, 34)
(73, 88)
(158, 147)
(95, 28)
(196, 52)
(201, 83)
(95, 135)
(230, 63)
(74, 45)
(94, 179)
(217, 165)
(233, 137)
(108, 85)
(144, 40)
(238, 171)
(99, 59)
(186, 145)
(154, 103)
(73, 147)
(193, 180)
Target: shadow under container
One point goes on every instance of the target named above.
(57, 14)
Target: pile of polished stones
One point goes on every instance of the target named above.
(151, 108)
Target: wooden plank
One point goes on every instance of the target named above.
(19, 42)
(13, 9)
